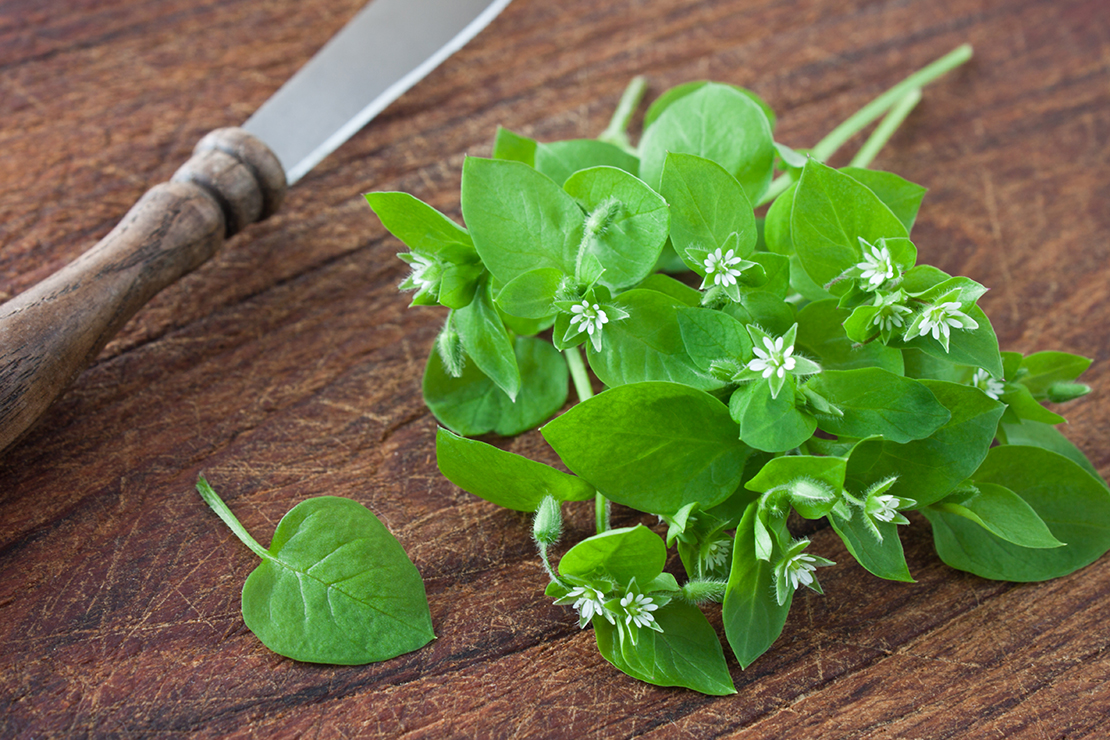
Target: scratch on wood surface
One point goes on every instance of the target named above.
(1000, 249)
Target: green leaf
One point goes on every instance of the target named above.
(487, 342)
(686, 653)
(752, 615)
(334, 586)
(561, 159)
(718, 123)
(1036, 434)
(878, 402)
(459, 283)
(655, 447)
(812, 484)
(1073, 505)
(767, 423)
(422, 228)
(530, 294)
(1001, 512)
(708, 205)
(471, 404)
(928, 469)
(821, 335)
(832, 212)
(901, 196)
(874, 544)
(503, 478)
(619, 554)
(647, 345)
(518, 218)
(515, 147)
(680, 91)
(712, 335)
(974, 347)
(668, 286)
(1043, 369)
(1020, 401)
(627, 226)
(776, 227)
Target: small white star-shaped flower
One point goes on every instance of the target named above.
(722, 266)
(987, 383)
(891, 313)
(799, 570)
(638, 609)
(941, 318)
(590, 318)
(423, 274)
(589, 602)
(877, 266)
(886, 507)
(774, 360)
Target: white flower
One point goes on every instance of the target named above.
(987, 383)
(589, 602)
(717, 552)
(425, 272)
(722, 267)
(885, 507)
(638, 609)
(877, 266)
(940, 318)
(591, 317)
(775, 359)
(799, 570)
(891, 313)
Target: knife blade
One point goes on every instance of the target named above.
(236, 176)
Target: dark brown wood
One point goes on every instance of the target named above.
(288, 366)
(52, 331)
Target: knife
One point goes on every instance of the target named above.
(235, 177)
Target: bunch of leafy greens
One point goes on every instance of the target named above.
(334, 587)
(809, 364)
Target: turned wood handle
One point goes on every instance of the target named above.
(51, 332)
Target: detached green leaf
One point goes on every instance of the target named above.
(655, 447)
(334, 586)
(1073, 505)
(503, 478)
(686, 653)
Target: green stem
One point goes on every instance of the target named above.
(585, 392)
(212, 499)
(886, 128)
(869, 113)
(617, 130)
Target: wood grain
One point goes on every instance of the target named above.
(288, 366)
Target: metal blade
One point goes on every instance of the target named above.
(382, 52)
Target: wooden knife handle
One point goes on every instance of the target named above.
(51, 332)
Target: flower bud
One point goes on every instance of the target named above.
(450, 348)
(547, 527)
(1061, 392)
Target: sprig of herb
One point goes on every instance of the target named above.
(334, 586)
(800, 364)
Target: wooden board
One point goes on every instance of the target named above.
(289, 366)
